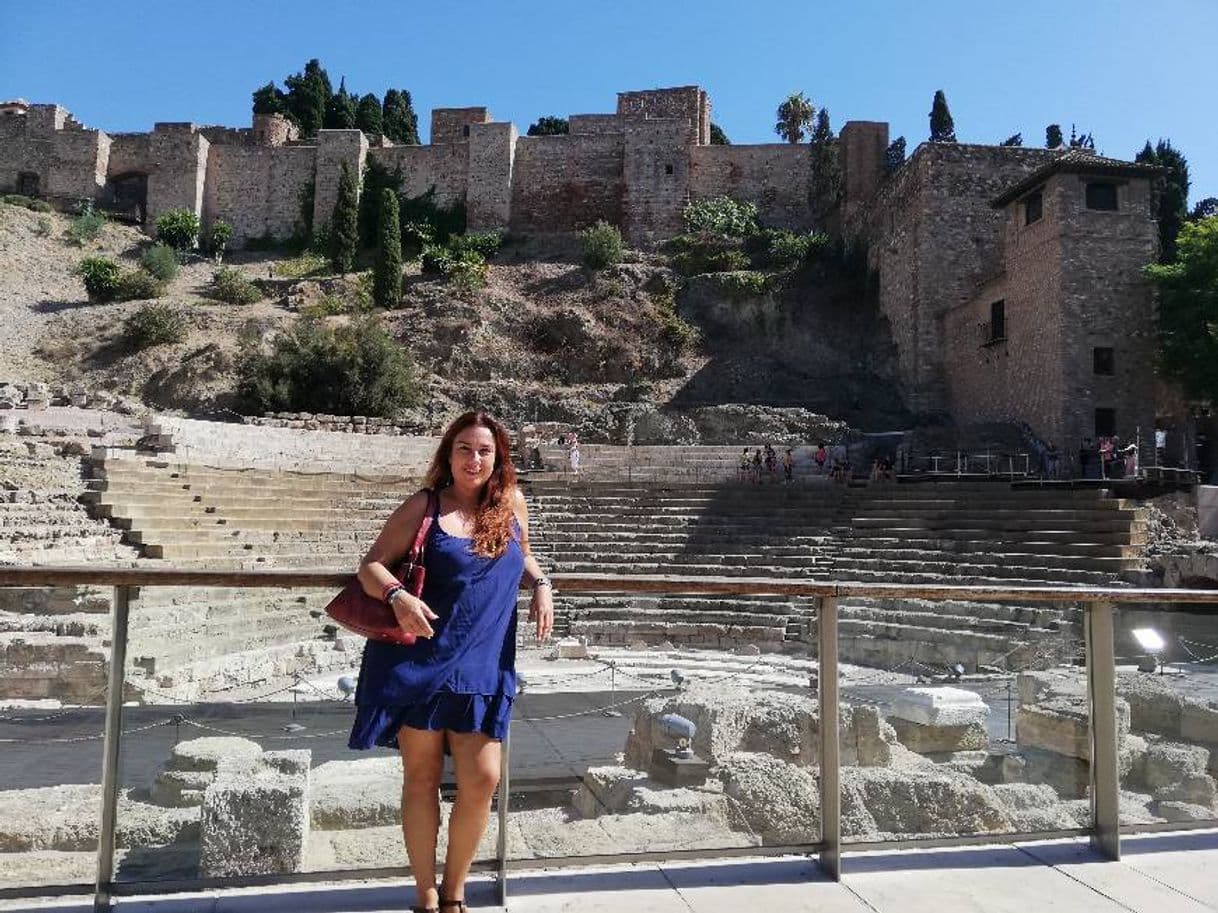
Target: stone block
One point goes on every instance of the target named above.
(950, 707)
(613, 790)
(255, 820)
(777, 801)
(1061, 725)
(1199, 722)
(207, 753)
(926, 801)
(1180, 811)
(1154, 705)
(1166, 763)
(932, 740)
(572, 648)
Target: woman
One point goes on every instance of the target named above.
(452, 690)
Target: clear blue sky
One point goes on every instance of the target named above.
(1125, 70)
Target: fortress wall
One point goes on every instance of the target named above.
(334, 147)
(656, 169)
(594, 123)
(179, 155)
(492, 150)
(564, 183)
(686, 103)
(775, 176)
(78, 165)
(933, 238)
(129, 152)
(22, 150)
(445, 167)
(257, 189)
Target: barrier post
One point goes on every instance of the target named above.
(119, 616)
(830, 754)
(501, 847)
(1101, 690)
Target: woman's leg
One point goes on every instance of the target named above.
(476, 759)
(422, 763)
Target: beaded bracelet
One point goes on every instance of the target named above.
(390, 591)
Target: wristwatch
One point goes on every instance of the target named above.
(543, 580)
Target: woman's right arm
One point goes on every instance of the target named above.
(392, 544)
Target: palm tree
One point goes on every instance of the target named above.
(794, 115)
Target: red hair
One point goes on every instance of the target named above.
(493, 521)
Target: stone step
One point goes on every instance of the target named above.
(211, 549)
(162, 484)
(224, 534)
(1030, 614)
(689, 569)
(1008, 553)
(864, 536)
(980, 564)
(88, 626)
(669, 616)
(161, 470)
(932, 619)
(1030, 546)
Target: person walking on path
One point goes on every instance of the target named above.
(788, 466)
(451, 692)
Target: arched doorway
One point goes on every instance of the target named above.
(125, 196)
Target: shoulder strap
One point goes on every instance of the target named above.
(429, 515)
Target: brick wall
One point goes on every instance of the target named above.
(594, 123)
(334, 148)
(448, 125)
(257, 189)
(656, 174)
(445, 167)
(564, 183)
(775, 176)
(179, 169)
(492, 150)
(686, 103)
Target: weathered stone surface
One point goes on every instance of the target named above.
(1034, 807)
(932, 739)
(947, 707)
(615, 790)
(1181, 811)
(255, 818)
(1166, 763)
(207, 753)
(1061, 725)
(778, 802)
(786, 726)
(354, 794)
(66, 818)
(925, 801)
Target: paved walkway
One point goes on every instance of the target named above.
(1168, 873)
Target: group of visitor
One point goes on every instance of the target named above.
(762, 464)
(1107, 457)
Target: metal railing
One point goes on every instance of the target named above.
(1104, 830)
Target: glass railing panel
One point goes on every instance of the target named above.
(234, 760)
(1167, 702)
(962, 718)
(664, 723)
(54, 661)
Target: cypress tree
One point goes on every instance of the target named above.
(344, 226)
(1015, 139)
(942, 128)
(398, 119)
(1169, 193)
(1053, 136)
(717, 136)
(826, 172)
(340, 113)
(368, 115)
(270, 100)
(387, 275)
(308, 96)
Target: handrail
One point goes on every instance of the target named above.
(75, 575)
(1098, 603)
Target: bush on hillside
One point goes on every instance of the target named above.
(229, 285)
(721, 215)
(161, 261)
(18, 199)
(154, 324)
(136, 284)
(355, 369)
(777, 248)
(87, 225)
(218, 238)
(179, 228)
(102, 278)
(485, 244)
(602, 245)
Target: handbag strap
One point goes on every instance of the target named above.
(433, 506)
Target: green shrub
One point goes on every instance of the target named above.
(436, 260)
(161, 261)
(721, 215)
(298, 267)
(229, 285)
(467, 273)
(102, 278)
(43, 228)
(218, 237)
(678, 336)
(356, 369)
(739, 286)
(17, 199)
(154, 324)
(695, 262)
(179, 228)
(485, 244)
(86, 226)
(444, 221)
(776, 248)
(416, 238)
(39, 206)
(602, 245)
(328, 306)
(135, 284)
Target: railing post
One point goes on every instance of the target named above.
(830, 755)
(501, 846)
(1101, 689)
(110, 756)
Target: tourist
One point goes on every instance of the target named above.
(771, 460)
(1106, 450)
(788, 466)
(757, 466)
(1051, 459)
(820, 457)
(1130, 455)
(1086, 454)
(742, 469)
(451, 692)
(573, 454)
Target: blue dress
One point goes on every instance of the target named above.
(464, 677)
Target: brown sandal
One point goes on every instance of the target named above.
(425, 909)
(459, 904)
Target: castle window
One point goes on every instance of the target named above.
(1101, 195)
(1105, 422)
(1103, 361)
(465, 130)
(998, 321)
(1033, 208)
(668, 169)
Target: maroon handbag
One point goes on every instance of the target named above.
(373, 618)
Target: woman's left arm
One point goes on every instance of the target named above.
(541, 609)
